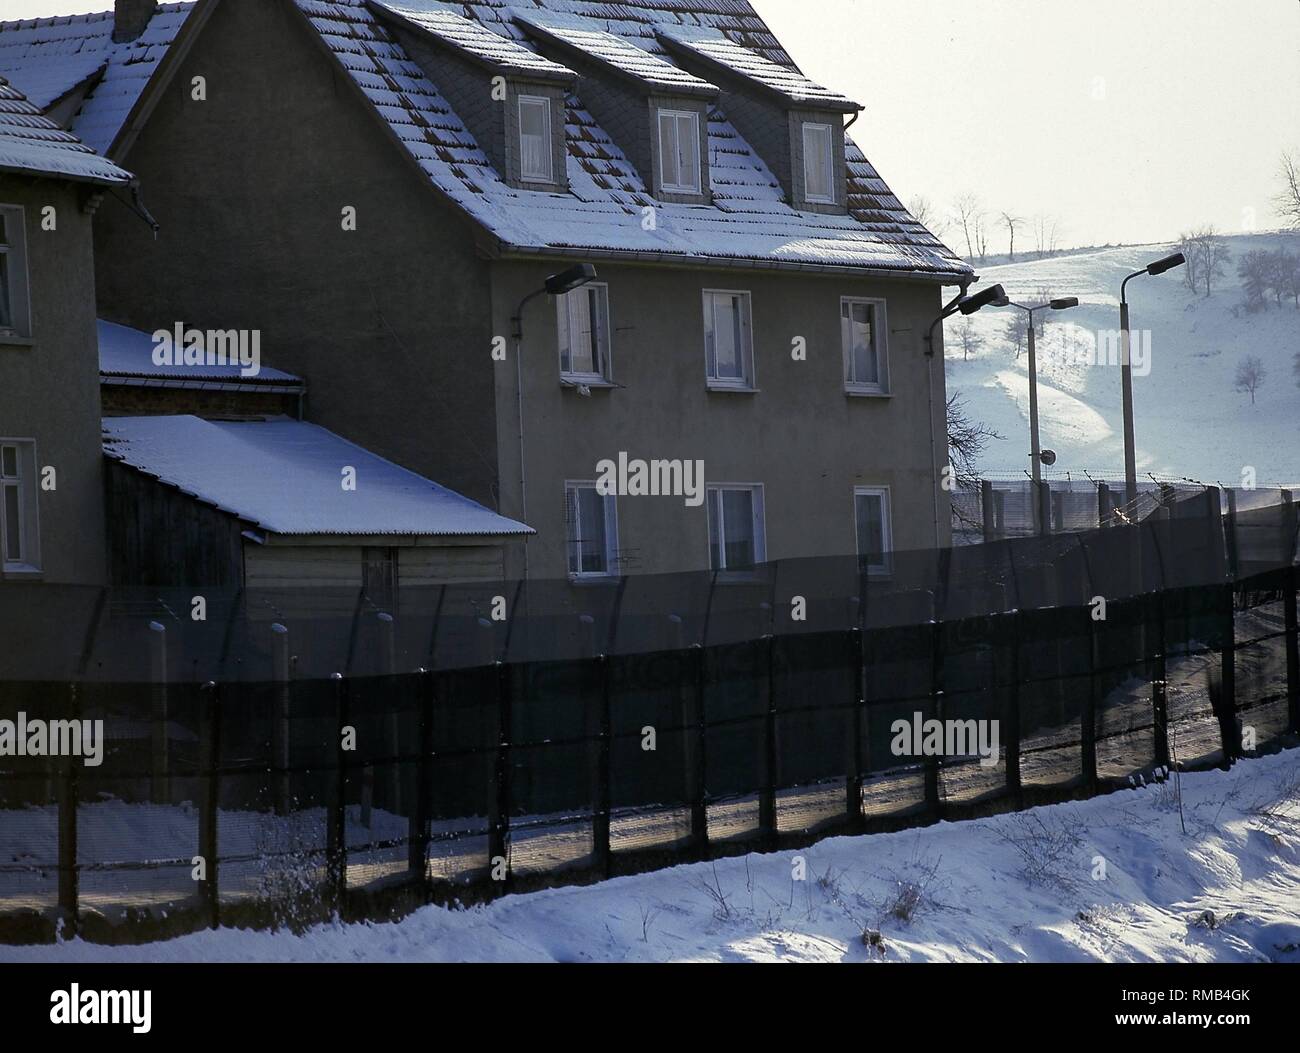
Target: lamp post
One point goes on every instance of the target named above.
(966, 305)
(556, 285)
(1042, 514)
(1126, 373)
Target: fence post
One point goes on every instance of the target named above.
(988, 510)
(1058, 509)
(1292, 581)
(1043, 499)
(1227, 707)
(158, 782)
(280, 717)
(336, 844)
(1103, 505)
(1159, 693)
(600, 820)
(1230, 527)
(67, 804)
(931, 763)
(499, 820)
(767, 796)
(1012, 711)
(698, 728)
(210, 796)
(418, 830)
(392, 720)
(853, 784)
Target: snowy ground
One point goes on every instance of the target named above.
(1025, 887)
(1190, 422)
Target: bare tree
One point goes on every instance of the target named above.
(1288, 198)
(967, 439)
(1255, 271)
(969, 338)
(1018, 330)
(1191, 272)
(1211, 253)
(931, 218)
(970, 217)
(1011, 222)
(1250, 375)
(1046, 234)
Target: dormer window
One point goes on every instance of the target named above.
(679, 151)
(819, 163)
(535, 154)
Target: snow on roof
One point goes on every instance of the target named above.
(48, 57)
(587, 38)
(286, 477)
(748, 219)
(126, 352)
(715, 47)
(473, 39)
(31, 143)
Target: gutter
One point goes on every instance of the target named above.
(121, 381)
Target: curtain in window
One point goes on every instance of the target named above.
(871, 529)
(535, 139)
(679, 151)
(726, 337)
(732, 545)
(11, 504)
(818, 182)
(586, 525)
(859, 323)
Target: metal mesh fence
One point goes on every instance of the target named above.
(297, 755)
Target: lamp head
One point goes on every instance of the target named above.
(573, 278)
(981, 299)
(1064, 303)
(1167, 264)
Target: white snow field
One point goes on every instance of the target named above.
(1189, 421)
(1110, 879)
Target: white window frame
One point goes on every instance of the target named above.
(674, 186)
(604, 372)
(14, 249)
(25, 483)
(572, 514)
(748, 381)
(714, 503)
(548, 146)
(886, 566)
(880, 339)
(829, 157)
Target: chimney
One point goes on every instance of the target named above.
(130, 18)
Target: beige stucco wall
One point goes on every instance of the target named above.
(800, 435)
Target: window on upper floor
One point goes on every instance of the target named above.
(737, 539)
(535, 156)
(728, 340)
(819, 163)
(864, 333)
(679, 152)
(875, 534)
(19, 532)
(583, 325)
(14, 300)
(591, 531)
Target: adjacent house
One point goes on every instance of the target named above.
(397, 194)
(51, 479)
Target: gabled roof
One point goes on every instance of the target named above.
(582, 37)
(127, 355)
(748, 221)
(49, 57)
(285, 476)
(717, 49)
(30, 143)
(472, 39)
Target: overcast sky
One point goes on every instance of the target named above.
(1128, 121)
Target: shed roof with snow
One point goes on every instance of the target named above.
(126, 356)
(287, 477)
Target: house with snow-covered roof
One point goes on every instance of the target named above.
(51, 483)
(383, 189)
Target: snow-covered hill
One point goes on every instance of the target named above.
(1110, 879)
(1189, 420)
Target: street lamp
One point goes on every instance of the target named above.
(556, 285)
(967, 305)
(1168, 263)
(1042, 514)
